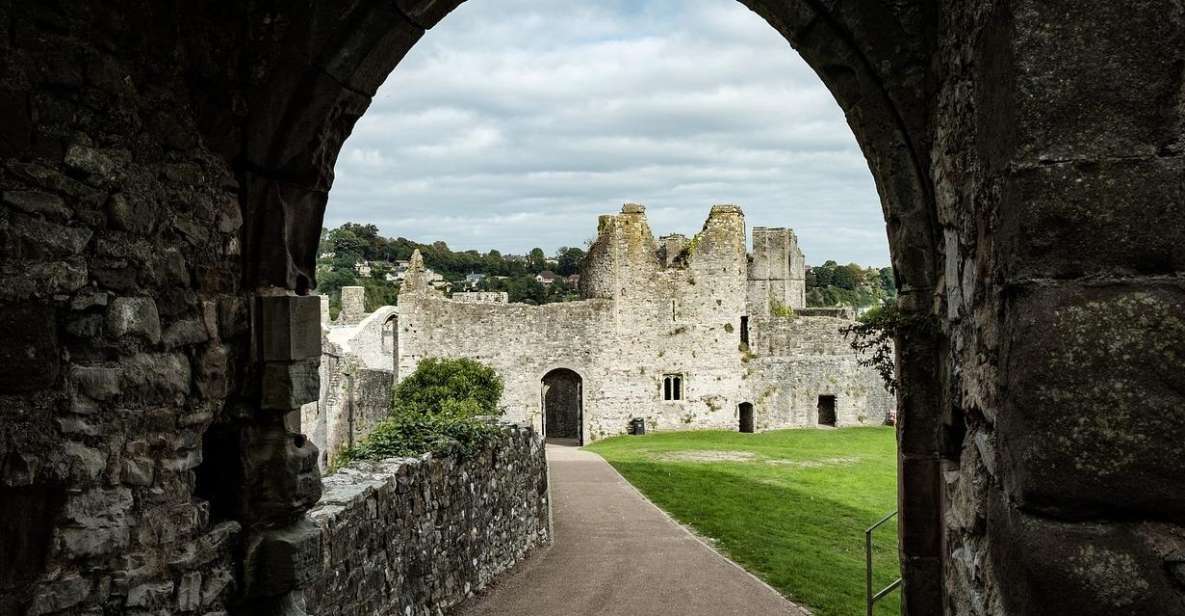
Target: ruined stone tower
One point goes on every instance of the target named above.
(777, 271)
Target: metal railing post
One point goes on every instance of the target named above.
(870, 599)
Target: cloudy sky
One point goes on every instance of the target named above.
(514, 123)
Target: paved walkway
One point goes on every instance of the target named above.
(616, 554)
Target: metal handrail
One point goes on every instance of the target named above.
(870, 598)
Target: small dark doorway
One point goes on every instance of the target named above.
(746, 413)
(826, 410)
(562, 405)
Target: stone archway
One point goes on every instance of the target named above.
(562, 398)
(165, 168)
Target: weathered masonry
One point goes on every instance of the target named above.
(678, 331)
(164, 169)
(486, 514)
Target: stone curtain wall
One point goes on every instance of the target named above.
(796, 360)
(418, 536)
(545, 337)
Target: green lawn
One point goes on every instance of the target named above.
(790, 506)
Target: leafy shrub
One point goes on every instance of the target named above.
(438, 409)
(412, 435)
(449, 388)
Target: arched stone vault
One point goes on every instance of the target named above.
(165, 171)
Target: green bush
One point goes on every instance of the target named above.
(438, 409)
(404, 436)
(449, 388)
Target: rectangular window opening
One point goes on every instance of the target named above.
(745, 330)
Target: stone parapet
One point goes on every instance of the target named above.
(482, 515)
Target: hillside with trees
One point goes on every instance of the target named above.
(344, 248)
(853, 285)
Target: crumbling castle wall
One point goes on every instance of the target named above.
(357, 375)
(484, 514)
(654, 314)
(796, 361)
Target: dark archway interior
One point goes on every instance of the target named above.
(745, 412)
(826, 411)
(163, 174)
(563, 399)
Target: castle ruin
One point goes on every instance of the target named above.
(686, 333)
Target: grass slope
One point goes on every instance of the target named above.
(790, 506)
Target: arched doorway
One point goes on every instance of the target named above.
(562, 396)
(745, 410)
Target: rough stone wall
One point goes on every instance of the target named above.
(122, 320)
(482, 516)
(1065, 490)
(356, 377)
(653, 320)
(797, 360)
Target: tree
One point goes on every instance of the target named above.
(888, 281)
(536, 260)
(569, 260)
(456, 388)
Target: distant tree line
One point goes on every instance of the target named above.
(351, 243)
(832, 284)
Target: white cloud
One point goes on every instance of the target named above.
(514, 123)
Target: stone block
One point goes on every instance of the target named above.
(1094, 417)
(59, 595)
(29, 358)
(281, 476)
(184, 333)
(131, 214)
(288, 385)
(1041, 113)
(133, 316)
(279, 561)
(34, 202)
(1056, 568)
(150, 595)
(211, 374)
(290, 327)
(189, 592)
(1064, 221)
(137, 471)
(155, 376)
(97, 382)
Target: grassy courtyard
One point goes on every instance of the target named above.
(790, 506)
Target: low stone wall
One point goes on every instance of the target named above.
(416, 536)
